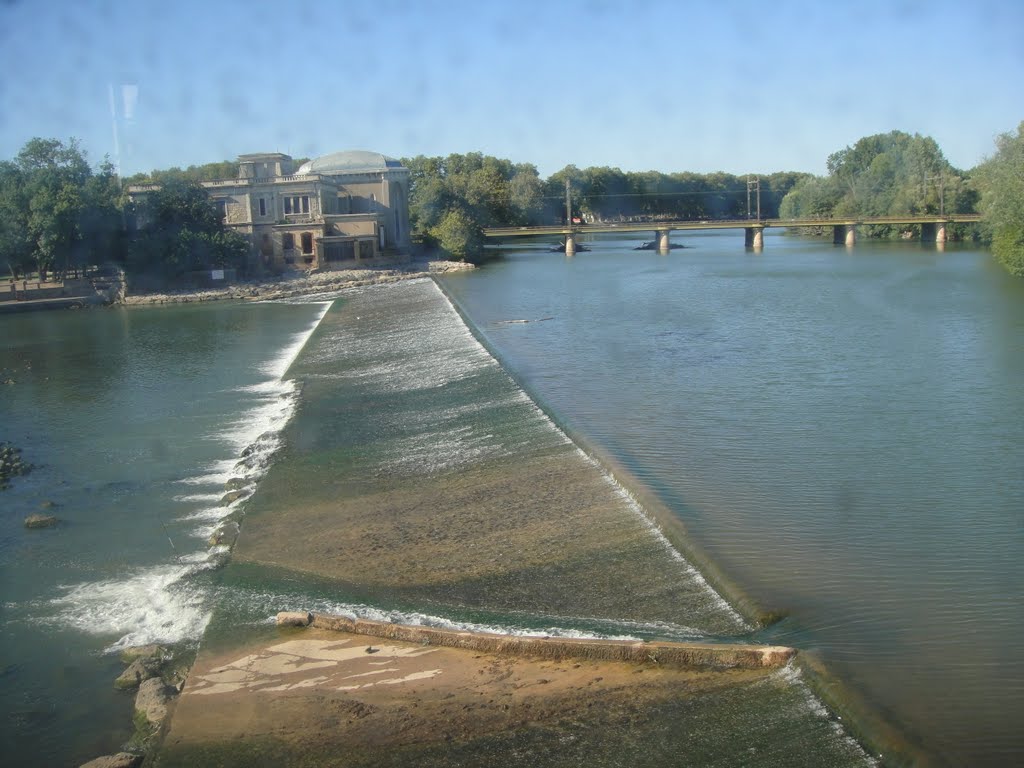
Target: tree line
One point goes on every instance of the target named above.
(57, 214)
(452, 199)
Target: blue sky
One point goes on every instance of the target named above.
(638, 84)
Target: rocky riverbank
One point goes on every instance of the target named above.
(299, 284)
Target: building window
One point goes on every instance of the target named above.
(222, 209)
(263, 207)
(287, 241)
(307, 242)
(296, 204)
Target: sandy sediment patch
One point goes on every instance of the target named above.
(309, 693)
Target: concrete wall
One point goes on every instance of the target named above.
(678, 655)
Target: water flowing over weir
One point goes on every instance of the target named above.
(136, 420)
(419, 483)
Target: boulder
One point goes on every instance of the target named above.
(151, 701)
(156, 652)
(232, 496)
(120, 760)
(40, 521)
(225, 535)
(138, 671)
(294, 619)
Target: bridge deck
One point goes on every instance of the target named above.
(648, 226)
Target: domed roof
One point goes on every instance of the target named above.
(352, 161)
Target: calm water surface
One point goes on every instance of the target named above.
(842, 430)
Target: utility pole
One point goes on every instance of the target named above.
(754, 185)
(941, 178)
(568, 204)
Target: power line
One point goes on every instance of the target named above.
(736, 191)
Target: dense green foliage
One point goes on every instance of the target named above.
(609, 194)
(1002, 181)
(883, 175)
(56, 213)
(225, 169)
(451, 199)
(182, 232)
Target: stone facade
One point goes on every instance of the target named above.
(328, 214)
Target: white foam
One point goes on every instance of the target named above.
(161, 603)
(204, 497)
(153, 605)
(278, 367)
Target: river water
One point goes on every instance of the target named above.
(839, 431)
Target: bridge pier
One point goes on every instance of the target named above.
(661, 237)
(933, 233)
(844, 234)
(570, 245)
(753, 237)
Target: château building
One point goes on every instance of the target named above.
(330, 212)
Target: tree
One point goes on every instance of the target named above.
(56, 213)
(888, 174)
(53, 176)
(15, 246)
(181, 232)
(1002, 202)
(459, 235)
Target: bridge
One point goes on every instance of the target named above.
(933, 228)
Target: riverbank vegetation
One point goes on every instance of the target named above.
(58, 214)
(454, 198)
(888, 174)
(1002, 182)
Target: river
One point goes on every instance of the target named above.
(839, 430)
(842, 430)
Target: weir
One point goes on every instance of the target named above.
(418, 473)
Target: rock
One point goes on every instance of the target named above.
(294, 619)
(40, 521)
(232, 496)
(225, 535)
(138, 671)
(120, 760)
(156, 652)
(151, 700)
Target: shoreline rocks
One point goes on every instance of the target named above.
(140, 670)
(300, 284)
(158, 672)
(41, 521)
(11, 464)
(151, 702)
